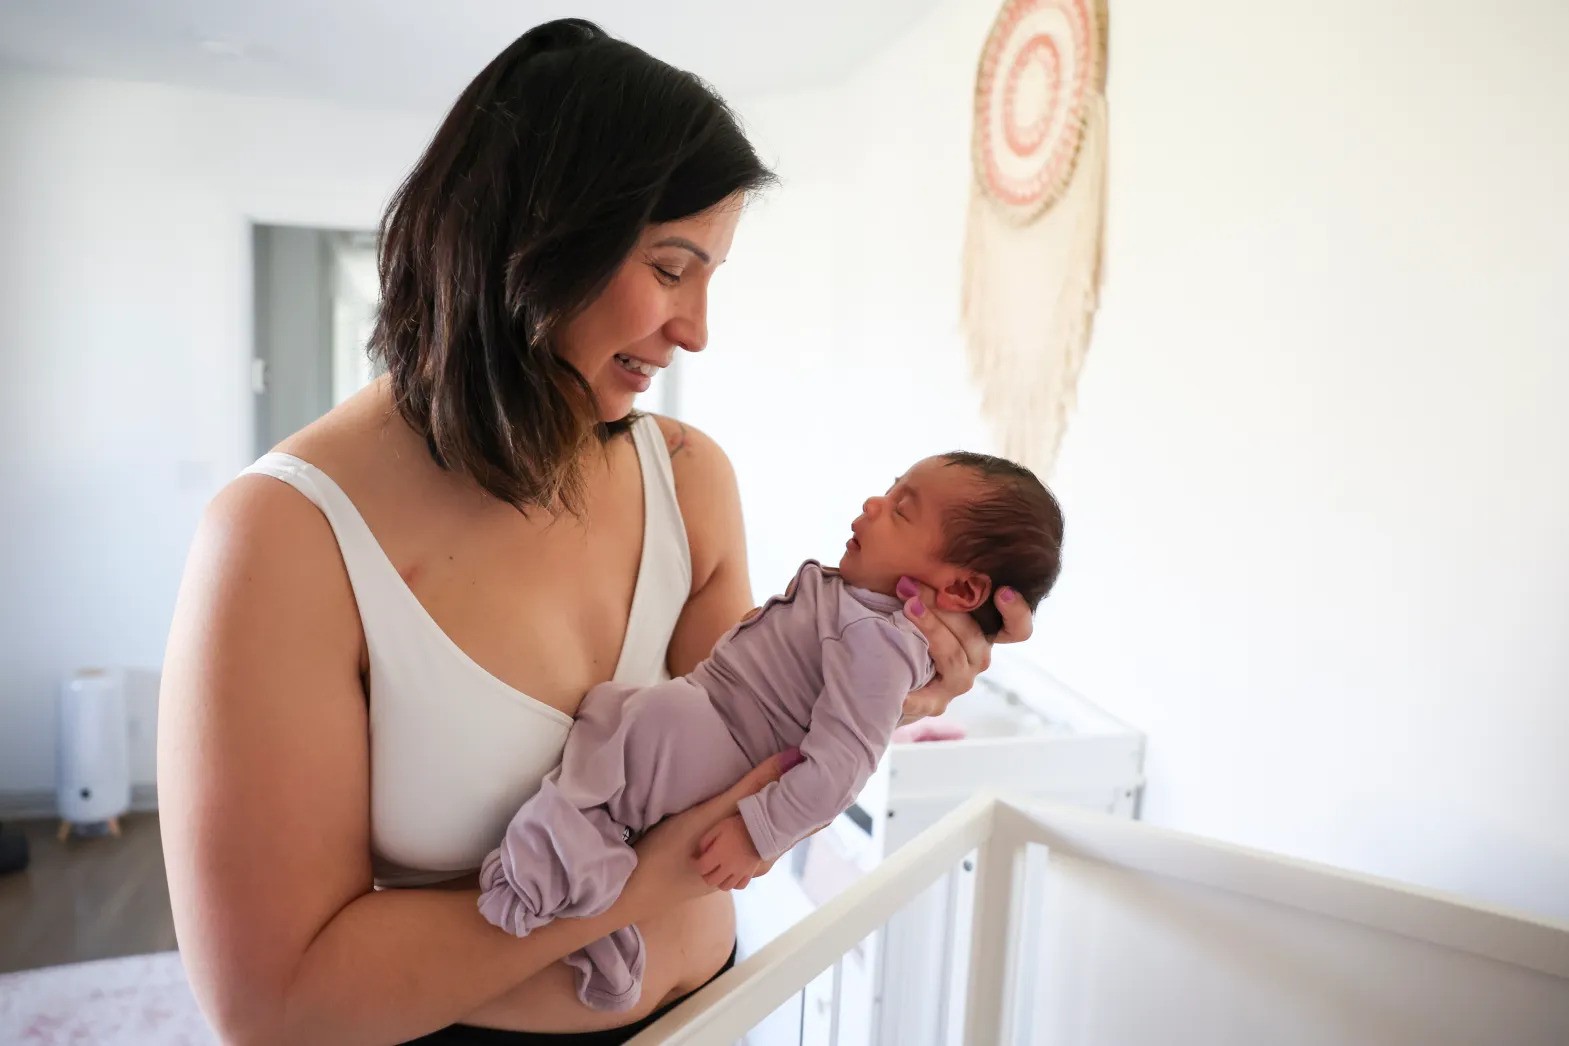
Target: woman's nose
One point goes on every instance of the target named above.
(689, 329)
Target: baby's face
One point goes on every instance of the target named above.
(900, 533)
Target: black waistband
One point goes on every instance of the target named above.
(472, 1035)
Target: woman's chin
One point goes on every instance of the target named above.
(615, 406)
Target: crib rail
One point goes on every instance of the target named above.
(726, 1009)
(1438, 918)
(1376, 920)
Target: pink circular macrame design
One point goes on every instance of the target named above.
(1039, 64)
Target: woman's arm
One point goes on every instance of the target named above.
(263, 776)
(711, 508)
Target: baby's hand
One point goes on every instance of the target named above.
(726, 858)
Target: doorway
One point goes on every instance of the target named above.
(315, 297)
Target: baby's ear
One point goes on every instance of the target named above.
(965, 591)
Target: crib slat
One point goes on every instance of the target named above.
(949, 948)
(833, 1019)
(988, 1014)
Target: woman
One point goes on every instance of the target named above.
(334, 761)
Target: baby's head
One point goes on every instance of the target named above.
(965, 524)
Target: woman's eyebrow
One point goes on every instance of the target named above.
(685, 244)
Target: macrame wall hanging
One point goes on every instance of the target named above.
(1032, 252)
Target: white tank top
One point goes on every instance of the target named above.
(454, 751)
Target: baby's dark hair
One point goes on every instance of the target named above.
(1011, 532)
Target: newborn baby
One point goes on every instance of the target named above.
(825, 668)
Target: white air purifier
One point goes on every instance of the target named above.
(93, 765)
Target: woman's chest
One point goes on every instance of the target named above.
(548, 620)
(540, 603)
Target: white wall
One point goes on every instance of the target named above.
(1317, 488)
(125, 329)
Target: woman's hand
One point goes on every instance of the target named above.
(667, 871)
(959, 649)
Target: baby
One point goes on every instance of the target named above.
(825, 668)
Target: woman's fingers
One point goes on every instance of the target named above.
(917, 595)
(1018, 623)
(957, 642)
(947, 652)
(937, 627)
(959, 649)
(975, 648)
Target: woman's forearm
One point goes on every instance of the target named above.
(397, 964)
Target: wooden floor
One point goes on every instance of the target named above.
(85, 898)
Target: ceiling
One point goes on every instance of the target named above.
(409, 55)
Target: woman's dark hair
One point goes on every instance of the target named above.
(1011, 532)
(535, 188)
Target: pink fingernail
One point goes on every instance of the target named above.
(1006, 595)
(906, 588)
(916, 607)
(791, 758)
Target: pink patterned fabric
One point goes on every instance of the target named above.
(135, 1001)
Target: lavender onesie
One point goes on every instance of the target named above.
(824, 667)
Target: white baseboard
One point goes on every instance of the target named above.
(27, 806)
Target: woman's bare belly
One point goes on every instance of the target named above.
(685, 947)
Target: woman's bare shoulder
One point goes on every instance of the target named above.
(255, 515)
(377, 460)
(259, 526)
(705, 479)
(708, 493)
(689, 446)
(360, 441)
(710, 502)
(262, 551)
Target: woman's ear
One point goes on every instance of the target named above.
(965, 591)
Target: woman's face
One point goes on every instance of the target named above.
(656, 303)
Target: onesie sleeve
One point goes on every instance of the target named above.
(868, 670)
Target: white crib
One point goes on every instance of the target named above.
(1098, 931)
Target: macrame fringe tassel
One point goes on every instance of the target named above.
(1029, 299)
